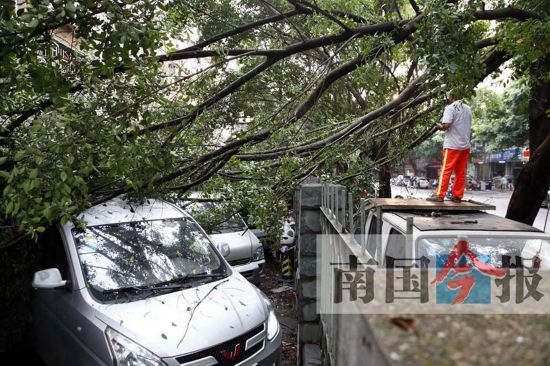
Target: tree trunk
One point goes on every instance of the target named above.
(532, 185)
(384, 181)
(384, 174)
(539, 122)
(534, 179)
(377, 152)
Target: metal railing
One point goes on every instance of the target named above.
(339, 223)
(337, 205)
(343, 236)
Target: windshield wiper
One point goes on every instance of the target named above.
(177, 281)
(174, 283)
(127, 289)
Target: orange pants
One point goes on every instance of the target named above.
(453, 160)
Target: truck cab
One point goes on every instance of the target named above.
(411, 229)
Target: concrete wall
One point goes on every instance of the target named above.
(308, 202)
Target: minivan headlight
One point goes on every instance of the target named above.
(272, 324)
(128, 352)
(259, 255)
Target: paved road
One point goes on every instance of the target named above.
(498, 198)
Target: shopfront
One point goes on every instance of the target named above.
(506, 163)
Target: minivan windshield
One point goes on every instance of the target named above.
(145, 254)
(217, 218)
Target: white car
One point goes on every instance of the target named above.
(423, 183)
(246, 253)
(144, 285)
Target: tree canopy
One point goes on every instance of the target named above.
(500, 118)
(245, 98)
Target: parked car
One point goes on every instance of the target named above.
(423, 183)
(246, 253)
(288, 230)
(473, 185)
(144, 285)
(399, 181)
(437, 234)
(434, 183)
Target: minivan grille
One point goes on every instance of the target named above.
(238, 262)
(231, 352)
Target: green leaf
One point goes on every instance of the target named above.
(33, 23)
(47, 213)
(9, 208)
(64, 220)
(70, 7)
(7, 190)
(41, 229)
(19, 155)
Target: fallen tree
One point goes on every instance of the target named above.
(317, 81)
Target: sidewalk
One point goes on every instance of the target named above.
(494, 192)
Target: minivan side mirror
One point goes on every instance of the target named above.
(48, 278)
(224, 249)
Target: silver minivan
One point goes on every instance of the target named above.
(143, 285)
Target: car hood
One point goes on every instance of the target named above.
(188, 320)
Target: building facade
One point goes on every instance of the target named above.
(504, 163)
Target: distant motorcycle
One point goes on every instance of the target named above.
(449, 193)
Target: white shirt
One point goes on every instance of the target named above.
(459, 115)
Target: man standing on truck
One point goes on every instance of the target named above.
(457, 124)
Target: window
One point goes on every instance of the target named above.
(144, 253)
(396, 245)
(54, 255)
(372, 235)
(216, 218)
